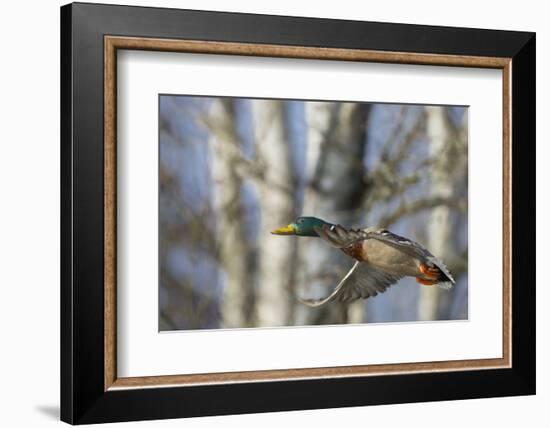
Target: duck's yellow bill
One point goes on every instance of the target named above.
(286, 230)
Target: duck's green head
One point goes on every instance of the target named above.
(302, 226)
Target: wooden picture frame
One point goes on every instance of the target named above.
(91, 390)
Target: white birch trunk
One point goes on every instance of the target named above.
(275, 290)
(312, 251)
(225, 146)
(439, 226)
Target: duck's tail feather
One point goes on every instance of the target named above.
(445, 285)
(445, 280)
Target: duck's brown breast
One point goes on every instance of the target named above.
(356, 250)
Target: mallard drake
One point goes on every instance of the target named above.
(381, 259)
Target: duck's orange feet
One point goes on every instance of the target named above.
(431, 272)
(426, 281)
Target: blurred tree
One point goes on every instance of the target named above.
(337, 140)
(439, 229)
(448, 150)
(234, 252)
(277, 190)
(188, 273)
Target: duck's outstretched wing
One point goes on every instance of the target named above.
(412, 248)
(361, 281)
(338, 236)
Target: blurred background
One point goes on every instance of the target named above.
(233, 169)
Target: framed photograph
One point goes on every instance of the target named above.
(266, 213)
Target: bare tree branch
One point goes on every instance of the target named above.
(411, 208)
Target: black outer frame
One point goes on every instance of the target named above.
(83, 399)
